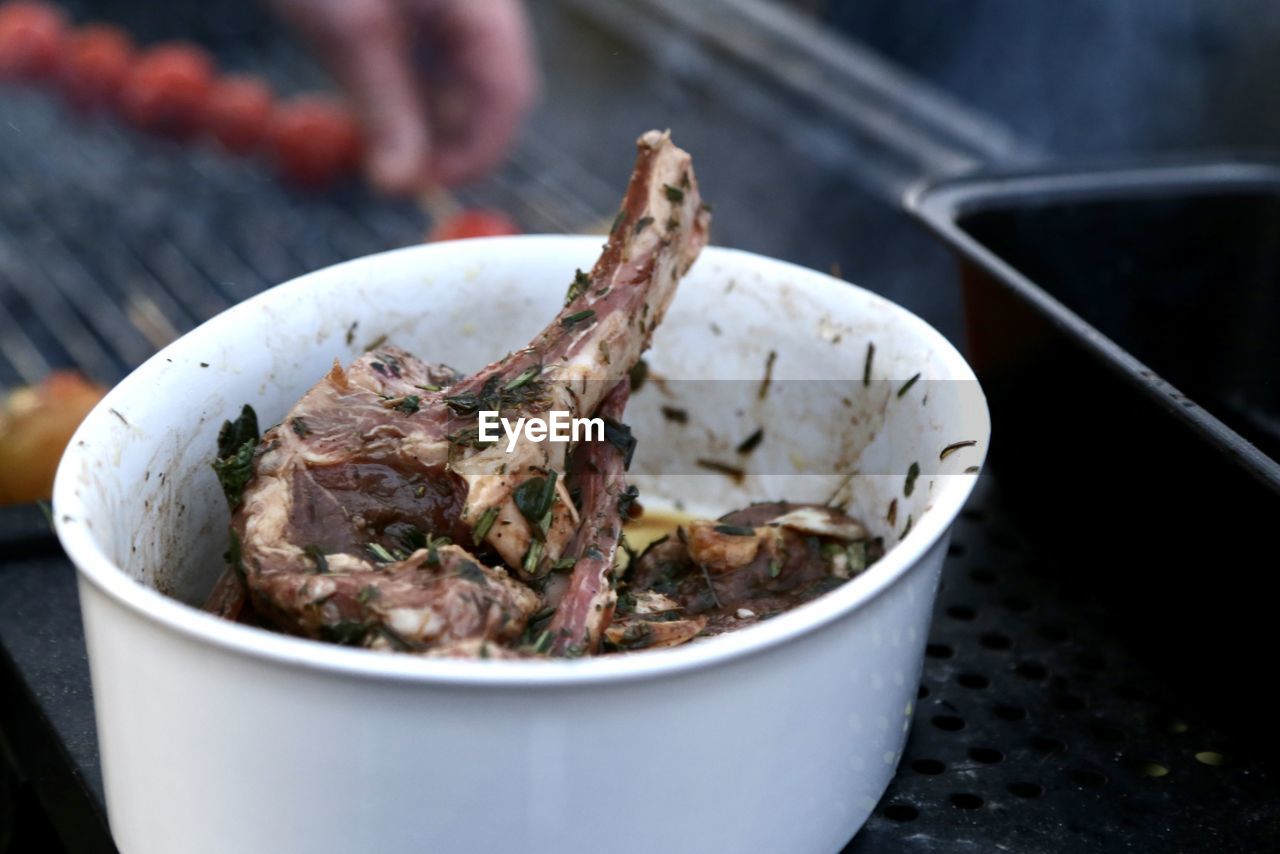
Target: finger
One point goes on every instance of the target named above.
(489, 83)
(364, 43)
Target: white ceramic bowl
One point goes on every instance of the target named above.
(779, 738)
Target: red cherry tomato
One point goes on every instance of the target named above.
(314, 140)
(167, 91)
(31, 38)
(95, 63)
(474, 222)
(239, 111)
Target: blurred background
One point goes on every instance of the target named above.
(810, 121)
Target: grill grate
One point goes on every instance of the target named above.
(100, 267)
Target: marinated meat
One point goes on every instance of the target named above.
(374, 514)
(597, 470)
(747, 566)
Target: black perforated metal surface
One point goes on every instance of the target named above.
(1037, 731)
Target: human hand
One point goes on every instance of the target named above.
(442, 86)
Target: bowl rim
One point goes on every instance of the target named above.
(95, 568)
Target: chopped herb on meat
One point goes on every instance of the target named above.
(577, 317)
(533, 499)
(236, 443)
(581, 282)
(317, 554)
(484, 525)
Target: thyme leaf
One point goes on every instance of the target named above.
(532, 556)
(234, 465)
(345, 632)
(857, 553)
(578, 287)
(752, 442)
(534, 498)
(627, 501)
(471, 402)
(524, 378)
(910, 486)
(414, 539)
(955, 446)
(638, 374)
(317, 554)
(907, 385)
(484, 525)
(577, 317)
(619, 435)
(734, 472)
(433, 549)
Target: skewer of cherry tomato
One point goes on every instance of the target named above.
(174, 89)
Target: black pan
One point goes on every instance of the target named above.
(1125, 322)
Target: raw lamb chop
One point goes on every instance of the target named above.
(748, 565)
(371, 514)
(587, 605)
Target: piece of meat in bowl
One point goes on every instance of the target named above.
(746, 566)
(375, 513)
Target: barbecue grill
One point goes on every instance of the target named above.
(1039, 727)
